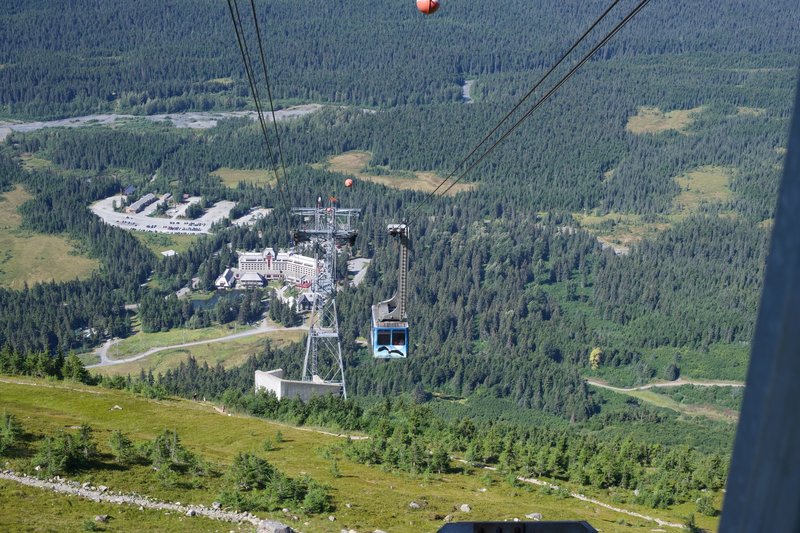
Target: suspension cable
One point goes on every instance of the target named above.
(561, 82)
(269, 94)
(245, 52)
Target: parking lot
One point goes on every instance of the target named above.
(141, 222)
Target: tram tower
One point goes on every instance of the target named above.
(325, 228)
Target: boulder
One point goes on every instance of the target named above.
(415, 505)
(272, 526)
(102, 488)
(191, 512)
(534, 516)
(101, 518)
(464, 508)
(216, 505)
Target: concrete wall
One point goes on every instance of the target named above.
(273, 381)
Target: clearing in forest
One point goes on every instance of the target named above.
(704, 185)
(28, 257)
(356, 163)
(653, 120)
(161, 242)
(232, 176)
(708, 184)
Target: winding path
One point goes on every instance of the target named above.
(662, 384)
(105, 361)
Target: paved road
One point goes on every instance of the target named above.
(105, 361)
(660, 384)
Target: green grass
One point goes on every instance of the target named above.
(229, 353)
(378, 499)
(160, 242)
(28, 257)
(231, 177)
(141, 341)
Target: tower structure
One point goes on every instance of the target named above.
(325, 228)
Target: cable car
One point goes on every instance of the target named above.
(428, 7)
(389, 319)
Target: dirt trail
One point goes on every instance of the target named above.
(584, 498)
(661, 384)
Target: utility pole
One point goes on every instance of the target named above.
(324, 228)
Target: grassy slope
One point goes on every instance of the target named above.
(30, 257)
(379, 499)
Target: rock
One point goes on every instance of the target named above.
(285, 510)
(38, 468)
(141, 508)
(415, 505)
(379, 531)
(482, 489)
(86, 485)
(332, 518)
(349, 505)
(216, 506)
(464, 508)
(191, 512)
(295, 517)
(116, 408)
(448, 518)
(272, 526)
(516, 519)
(102, 488)
(101, 518)
(534, 516)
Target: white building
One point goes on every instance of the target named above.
(282, 265)
(226, 280)
(273, 381)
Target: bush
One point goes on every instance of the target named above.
(122, 448)
(249, 472)
(317, 499)
(10, 432)
(65, 453)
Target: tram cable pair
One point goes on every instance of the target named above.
(390, 328)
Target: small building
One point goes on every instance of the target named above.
(251, 280)
(129, 190)
(141, 203)
(168, 253)
(273, 381)
(226, 280)
(305, 301)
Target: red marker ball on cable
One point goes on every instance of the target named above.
(428, 7)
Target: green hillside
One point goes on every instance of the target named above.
(377, 498)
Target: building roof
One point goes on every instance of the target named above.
(251, 276)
